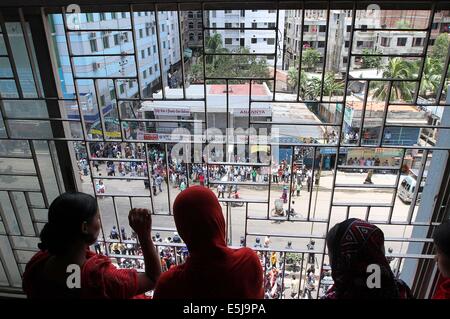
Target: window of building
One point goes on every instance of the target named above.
(93, 44)
(130, 84)
(122, 88)
(147, 31)
(199, 14)
(272, 11)
(432, 41)
(116, 39)
(199, 36)
(401, 42)
(349, 28)
(156, 67)
(190, 15)
(254, 10)
(322, 28)
(102, 100)
(214, 25)
(165, 61)
(242, 42)
(199, 25)
(139, 14)
(102, 16)
(344, 59)
(418, 42)
(228, 40)
(113, 15)
(124, 15)
(364, 27)
(254, 40)
(306, 28)
(242, 13)
(321, 44)
(191, 36)
(385, 41)
(141, 33)
(142, 54)
(144, 74)
(163, 29)
(154, 49)
(150, 70)
(89, 17)
(271, 41)
(359, 44)
(227, 25)
(105, 41)
(213, 13)
(272, 25)
(228, 11)
(164, 44)
(254, 25)
(191, 25)
(347, 44)
(434, 26)
(242, 26)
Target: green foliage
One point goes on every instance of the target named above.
(371, 62)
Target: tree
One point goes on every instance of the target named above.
(310, 58)
(371, 62)
(402, 24)
(331, 86)
(397, 68)
(312, 90)
(293, 80)
(440, 47)
(431, 78)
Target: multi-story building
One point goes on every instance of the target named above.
(339, 29)
(193, 29)
(257, 41)
(114, 50)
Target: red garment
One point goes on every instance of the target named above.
(212, 270)
(443, 291)
(202, 180)
(100, 279)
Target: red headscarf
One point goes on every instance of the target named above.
(212, 270)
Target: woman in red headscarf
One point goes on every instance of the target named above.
(212, 270)
(353, 245)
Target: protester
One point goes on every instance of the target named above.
(353, 245)
(73, 225)
(212, 270)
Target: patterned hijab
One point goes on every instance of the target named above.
(353, 245)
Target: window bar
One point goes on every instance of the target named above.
(324, 63)
(443, 80)
(425, 49)
(117, 218)
(166, 158)
(180, 39)
(386, 110)
(300, 276)
(158, 42)
(363, 113)
(276, 53)
(54, 157)
(15, 211)
(136, 57)
(290, 183)
(270, 182)
(397, 180)
(310, 189)
(72, 68)
(423, 164)
(300, 53)
(38, 172)
(100, 110)
(204, 75)
(228, 119)
(32, 215)
(348, 212)
(119, 111)
(249, 116)
(149, 176)
(10, 56)
(368, 213)
(283, 275)
(30, 54)
(246, 225)
(5, 122)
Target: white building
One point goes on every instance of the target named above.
(314, 36)
(86, 44)
(257, 41)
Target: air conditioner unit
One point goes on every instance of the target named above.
(96, 66)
